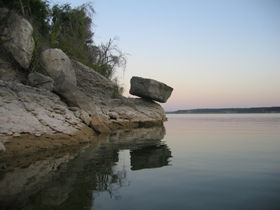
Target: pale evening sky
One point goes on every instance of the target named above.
(214, 53)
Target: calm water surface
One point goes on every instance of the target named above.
(195, 162)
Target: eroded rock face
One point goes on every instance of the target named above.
(9, 72)
(17, 36)
(150, 89)
(134, 112)
(28, 110)
(122, 112)
(96, 87)
(75, 97)
(41, 81)
(56, 62)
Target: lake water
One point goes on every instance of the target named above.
(211, 161)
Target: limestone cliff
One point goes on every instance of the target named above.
(69, 104)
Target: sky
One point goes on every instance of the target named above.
(213, 53)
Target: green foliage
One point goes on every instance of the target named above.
(35, 61)
(34, 10)
(121, 91)
(109, 58)
(117, 94)
(69, 29)
(37, 12)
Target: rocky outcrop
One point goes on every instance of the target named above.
(133, 113)
(27, 110)
(95, 86)
(150, 89)
(83, 103)
(56, 63)
(8, 71)
(120, 112)
(16, 33)
(40, 81)
(73, 96)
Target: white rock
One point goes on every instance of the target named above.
(2, 147)
(113, 115)
(17, 36)
(56, 62)
(85, 117)
(24, 109)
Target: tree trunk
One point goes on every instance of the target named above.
(22, 9)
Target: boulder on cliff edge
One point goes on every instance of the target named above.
(16, 33)
(150, 89)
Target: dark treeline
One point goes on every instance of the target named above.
(229, 110)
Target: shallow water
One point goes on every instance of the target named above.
(214, 161)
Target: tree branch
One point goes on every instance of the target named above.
(22, 9)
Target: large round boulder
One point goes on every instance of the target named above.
(56, 63)
(16, 34)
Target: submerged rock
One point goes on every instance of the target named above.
(150, 89)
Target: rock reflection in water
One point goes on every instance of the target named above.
(72, 180)
(150, 157)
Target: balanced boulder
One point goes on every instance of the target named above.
(150, 89)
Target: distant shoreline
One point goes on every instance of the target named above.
(228, 111)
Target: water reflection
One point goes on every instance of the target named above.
(72, 179)
(150, 157)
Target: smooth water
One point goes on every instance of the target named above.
(211, 161)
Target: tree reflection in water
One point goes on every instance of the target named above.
(73, 180)
(112, 183)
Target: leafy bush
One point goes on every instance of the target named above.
(69, 29)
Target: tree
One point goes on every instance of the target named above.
(109, 57)
(71, 30)
(36, 11)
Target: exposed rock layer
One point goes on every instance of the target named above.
(32, 117)
(41, 81)
(27, 110)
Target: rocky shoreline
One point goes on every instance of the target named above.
(64, 102)
(34, 119)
